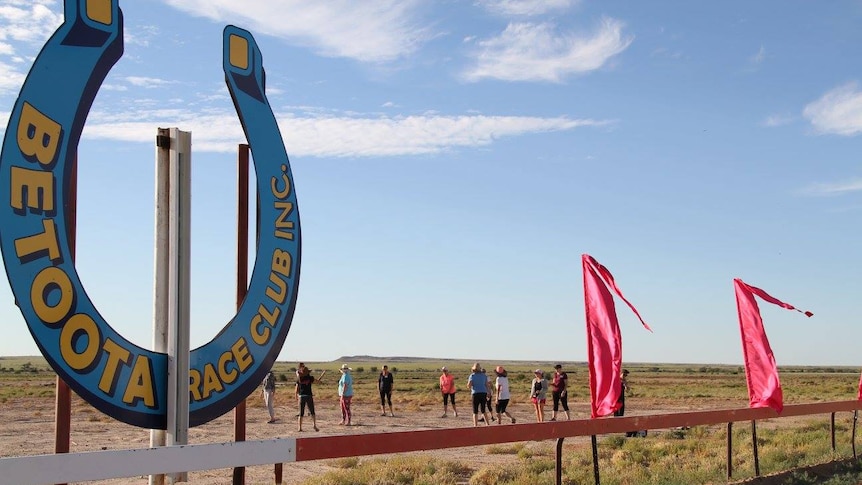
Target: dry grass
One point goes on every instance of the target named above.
(688, 456)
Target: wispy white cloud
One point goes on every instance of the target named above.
(759, 57)
(114, 87)
(140, 35)
(774, 121)
(837, 112)
(372, 30)
(11, 78)
(838, 188)
(147, 82)
(335, 135)
(536, 52)
(23, 24)
(664, 52)
(525, 7)
(28, 21)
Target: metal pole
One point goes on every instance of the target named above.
(160, 266)
(754, 444)
(729, 450)
(832, 430)
(853, 433)
(559, 467)
(595, 459)
(63, 395)
(239, 412)
(179, 297)
(279, 468)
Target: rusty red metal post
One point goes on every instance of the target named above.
(595, 459)
(279, 467)
(241, 281)
(559, 467)
(729, 450)
(754, 447)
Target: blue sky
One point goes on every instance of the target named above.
(453, 160)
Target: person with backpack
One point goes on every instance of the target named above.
(269, 395)
(538, 394)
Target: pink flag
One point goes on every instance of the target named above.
(764, 389)
(859, 394)
(604, 343)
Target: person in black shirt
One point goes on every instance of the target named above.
(305, 395)
(385, 384)
(624, 388)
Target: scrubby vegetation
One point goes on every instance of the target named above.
(789, 449)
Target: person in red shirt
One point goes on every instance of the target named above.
(560, 391)
(447, 387)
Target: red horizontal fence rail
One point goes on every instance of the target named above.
(101, 465)
(326, 447)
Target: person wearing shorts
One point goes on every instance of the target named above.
(478, 385)
(560, 391)
(306, 396)
(502, 385)
(538, 394)
(447, 387)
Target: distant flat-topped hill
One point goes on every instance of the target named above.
(373, 358)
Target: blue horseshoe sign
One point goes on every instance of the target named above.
(114, 375)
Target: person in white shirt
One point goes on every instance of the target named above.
(502, 385)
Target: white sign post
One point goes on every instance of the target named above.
(172, 283)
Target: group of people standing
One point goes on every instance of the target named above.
(559, 393)
(305, 395)
(491, 396)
